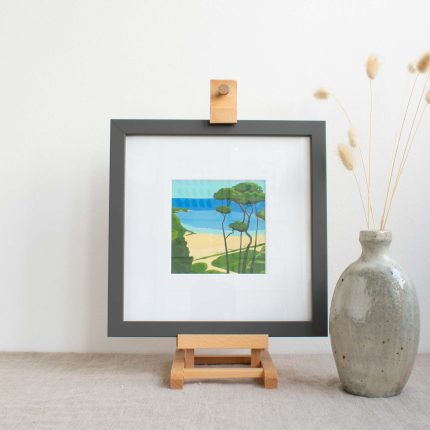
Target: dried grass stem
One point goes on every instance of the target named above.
(361, 198)
(360, 152)
(397, 150)
(369, 184)
(407, 147)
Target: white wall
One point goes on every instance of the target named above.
(67, 67)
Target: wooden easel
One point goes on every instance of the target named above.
(261, 365)
(223, 110)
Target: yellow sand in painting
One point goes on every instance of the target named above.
(205, 245)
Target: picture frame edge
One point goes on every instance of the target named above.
(314, 130)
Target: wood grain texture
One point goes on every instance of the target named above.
(225, 372)
(189, 358)
(223, 341)
(255, 357)
(177, 371)
(222, 359)
(223, 107)
(270, 373)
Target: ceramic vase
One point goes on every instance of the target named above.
(374, 321)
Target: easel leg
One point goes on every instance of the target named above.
(189, 358)
(177, 372)
(255, 357)
(270, 373)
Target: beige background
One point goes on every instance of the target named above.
(68, 67)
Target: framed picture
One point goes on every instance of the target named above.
(217, 229)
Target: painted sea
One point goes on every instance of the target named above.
(201, 216)
(218, 226)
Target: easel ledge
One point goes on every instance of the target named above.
(261, 365)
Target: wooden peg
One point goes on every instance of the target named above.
(223, 102)
(223, 89)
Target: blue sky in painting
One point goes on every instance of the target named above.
(204, 188)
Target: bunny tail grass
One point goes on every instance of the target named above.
(321, 94)
(372, 66)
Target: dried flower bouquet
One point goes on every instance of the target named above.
(402, 144)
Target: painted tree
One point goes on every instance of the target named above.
(241, 228)
(259, 215)
(224, 210)
(251, 194)
(181, 259)
(246, 195)
(228, 195)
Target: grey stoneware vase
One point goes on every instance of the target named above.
(374, 321)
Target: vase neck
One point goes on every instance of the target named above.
(374, 243)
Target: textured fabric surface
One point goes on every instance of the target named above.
(118, 391)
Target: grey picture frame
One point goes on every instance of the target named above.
(315, 131)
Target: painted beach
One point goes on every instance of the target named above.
(218, 227)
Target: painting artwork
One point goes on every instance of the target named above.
(218, 227)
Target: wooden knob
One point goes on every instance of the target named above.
(223, 89)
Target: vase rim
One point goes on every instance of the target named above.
(375, 235)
